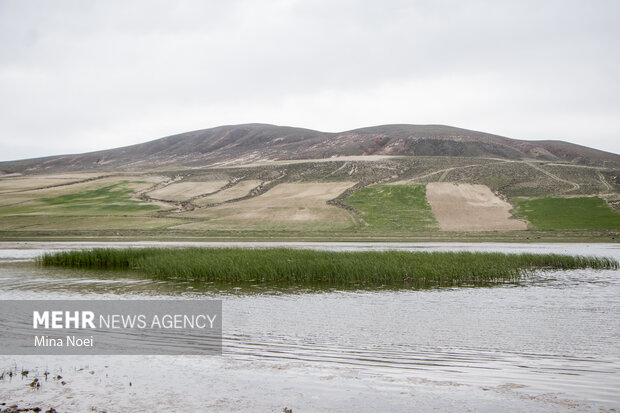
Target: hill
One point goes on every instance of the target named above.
(392, 182)
(251, 143)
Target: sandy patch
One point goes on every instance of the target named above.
(467, 207)
(185, 190)
(237, 191)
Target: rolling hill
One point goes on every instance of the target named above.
(250, 143)
(256, 181)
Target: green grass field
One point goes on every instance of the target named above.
(394, 208)
(309, 267)
(568, 213)
(113, 199)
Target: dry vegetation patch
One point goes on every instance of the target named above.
(83, 223)
(23, 183)
(183, 191)
(300, 206)
(467, 207)
(236, 191)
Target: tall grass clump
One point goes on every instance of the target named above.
(308, 267)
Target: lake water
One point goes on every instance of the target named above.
(549, 343)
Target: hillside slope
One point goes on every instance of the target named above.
(245, 144)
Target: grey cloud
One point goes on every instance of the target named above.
(71, 70)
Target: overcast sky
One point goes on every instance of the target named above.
(77, 76)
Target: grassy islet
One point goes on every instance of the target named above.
(310, 267)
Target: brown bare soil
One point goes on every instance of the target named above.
(183, 191)
(23, 183)
(236, 191)
(467, 207)
(292, 205)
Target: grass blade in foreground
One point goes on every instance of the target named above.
(309, 267)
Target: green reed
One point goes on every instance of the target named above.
(310, 267)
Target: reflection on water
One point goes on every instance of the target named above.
(550, 340)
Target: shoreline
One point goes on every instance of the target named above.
(529, 236)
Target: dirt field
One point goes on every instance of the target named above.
(301, 206)
(237, 191)
(467, 207)
(185, 190)
(21, 183)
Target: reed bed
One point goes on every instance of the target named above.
(310, 267)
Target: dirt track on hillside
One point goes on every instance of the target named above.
(467, 207)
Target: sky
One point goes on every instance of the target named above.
(78, 76)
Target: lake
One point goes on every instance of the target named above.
(548, 343)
